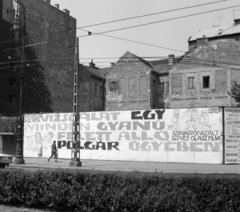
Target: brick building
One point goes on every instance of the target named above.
(134, 83)
(204, 76)
(91, 88)
(48, 70)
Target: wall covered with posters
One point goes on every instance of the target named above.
(172, 135)
(232, 135)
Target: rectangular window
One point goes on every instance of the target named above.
(206, 82)
(154, 84)
(95, 89)
(167, 87)
(101, 91)
(162, 84)
(190, 83)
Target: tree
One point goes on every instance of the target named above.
(235, 92)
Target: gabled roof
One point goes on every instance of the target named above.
(162, 65)
(132, 58)
(216, 32)
(159, 66)
(104, 71)
(94, 71)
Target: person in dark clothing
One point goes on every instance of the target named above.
(54, 152)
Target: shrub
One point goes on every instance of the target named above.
(119, 191)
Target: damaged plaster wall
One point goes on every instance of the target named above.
(128, 86)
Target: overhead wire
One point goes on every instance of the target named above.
(213, 61)
(138, 42)
(154, 22)
(124, 19)
(51, 41)
(157, 13)
(188, 59)
(51, 59)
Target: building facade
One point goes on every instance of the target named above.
(91, 88)
(134, 83)
(205, 75)
(48, 57)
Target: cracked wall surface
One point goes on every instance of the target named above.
(128, 85)
(217, 58)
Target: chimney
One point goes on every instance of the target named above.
(47, 1)
(66, 11)
(57, 6)
(237, 21)
(112, 64)
(171, 60)
(92, 65)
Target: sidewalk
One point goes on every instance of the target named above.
(42, 163)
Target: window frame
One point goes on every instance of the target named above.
(193, 86)
(209, 82)
(95, 89)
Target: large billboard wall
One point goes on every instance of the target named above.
(173, 135)
(232, 135)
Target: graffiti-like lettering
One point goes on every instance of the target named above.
(145, 146)
(134, 146)
(124, 135)
(100, 116)
(89, 145)
(101, 145)
(147, 114)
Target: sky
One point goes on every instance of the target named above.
(173, 34)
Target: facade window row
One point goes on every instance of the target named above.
(163, 87)
(205, 82)
(98, 92)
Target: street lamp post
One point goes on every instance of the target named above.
(19, 149)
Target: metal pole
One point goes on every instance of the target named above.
(75, 160)
(19, 148)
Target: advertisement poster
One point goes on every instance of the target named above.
(191, 135)
(40, 130)
(232, 135)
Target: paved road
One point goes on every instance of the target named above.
(42, 163)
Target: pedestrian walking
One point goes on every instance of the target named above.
(54, 152)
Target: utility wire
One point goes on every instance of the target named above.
(124, 19)
(45, 59)
(170, 19)
(213, 62)
(102, 58)
(141, 16)
(37, 60)
(209, 62)
(147, 44)
(140, 25)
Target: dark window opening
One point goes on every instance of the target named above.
(154, 84)
(167, 87)
(161, 89)
(95, 89)
(12, 98)
(190, 83)
(101, 91)
(12, 81)
(206, 82)
(7, 11)
(12, 66)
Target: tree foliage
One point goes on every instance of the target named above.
(235, 92)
